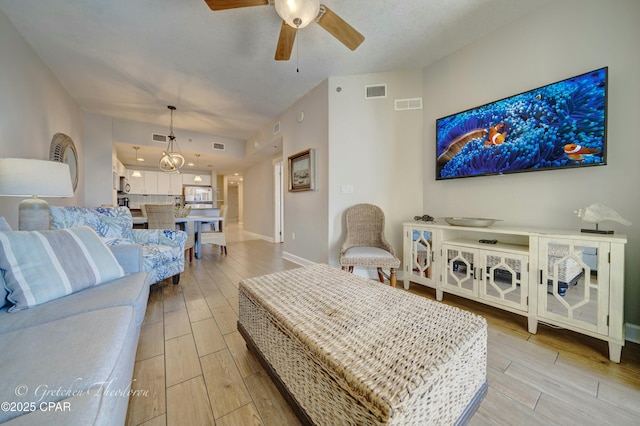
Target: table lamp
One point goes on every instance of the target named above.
(23, 177)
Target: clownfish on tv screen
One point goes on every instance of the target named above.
(560, 125)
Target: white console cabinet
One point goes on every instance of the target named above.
(567, 279)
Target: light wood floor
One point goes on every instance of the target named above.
(193, 367)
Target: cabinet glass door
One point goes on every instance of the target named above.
(460, 274)
(504, 279)
(422, 253)
(574, 283)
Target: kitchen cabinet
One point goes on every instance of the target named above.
(562, 278)
(136, 184)
(150, 182)
(169, 184)
(159, 183)
(147, 184)
(188, 179)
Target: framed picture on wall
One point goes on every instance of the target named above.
(301, 171)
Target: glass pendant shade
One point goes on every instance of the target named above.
(136, 173)
(298, 13)
(171, 161)
(198, 178)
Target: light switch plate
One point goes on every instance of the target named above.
(346, 189)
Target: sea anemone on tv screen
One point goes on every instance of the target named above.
(560, 125)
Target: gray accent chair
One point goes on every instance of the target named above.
(365, 244)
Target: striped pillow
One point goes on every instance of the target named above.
(4, 226)
(40, 266)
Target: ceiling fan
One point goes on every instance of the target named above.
(298, 14)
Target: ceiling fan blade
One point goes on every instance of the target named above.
(285, 42)
(234, 4)
(339, 28)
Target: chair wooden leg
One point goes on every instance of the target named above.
(225, 250)
(380, 276)
(392, 279)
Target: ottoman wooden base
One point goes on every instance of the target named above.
(346, 350)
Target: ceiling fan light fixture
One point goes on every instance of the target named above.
(298, 13)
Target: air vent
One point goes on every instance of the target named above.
(156, 137)
(375, 91)
(407, 104)
(276, 128)
(218, 146)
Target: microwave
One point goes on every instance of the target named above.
(124, 185)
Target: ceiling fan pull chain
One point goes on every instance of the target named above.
(297, 41)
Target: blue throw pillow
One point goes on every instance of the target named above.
(39, 266)
(3, 290)
(4, 226)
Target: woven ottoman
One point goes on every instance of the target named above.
(344, 350)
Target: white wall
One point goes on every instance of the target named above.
(305, 213)
(375, 149)
(557, 41)
(232, 203)
(258, 202)
(33, 107)
(99, 160)
(358, 142)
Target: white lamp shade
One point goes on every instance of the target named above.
(305, 10)
(24, 177)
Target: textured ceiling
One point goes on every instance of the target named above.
(131, 58)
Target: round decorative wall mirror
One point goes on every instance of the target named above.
(63, 150)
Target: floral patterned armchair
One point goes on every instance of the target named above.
(162, 249)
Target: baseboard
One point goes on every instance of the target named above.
(296, 259)
(266, 238)
(255, 236)
(632, 333)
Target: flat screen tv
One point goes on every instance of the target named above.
(556, 126)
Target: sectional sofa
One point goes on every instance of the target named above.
(70, 315)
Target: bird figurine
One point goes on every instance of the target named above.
(597, 213)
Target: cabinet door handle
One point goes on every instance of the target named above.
(540, 276)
